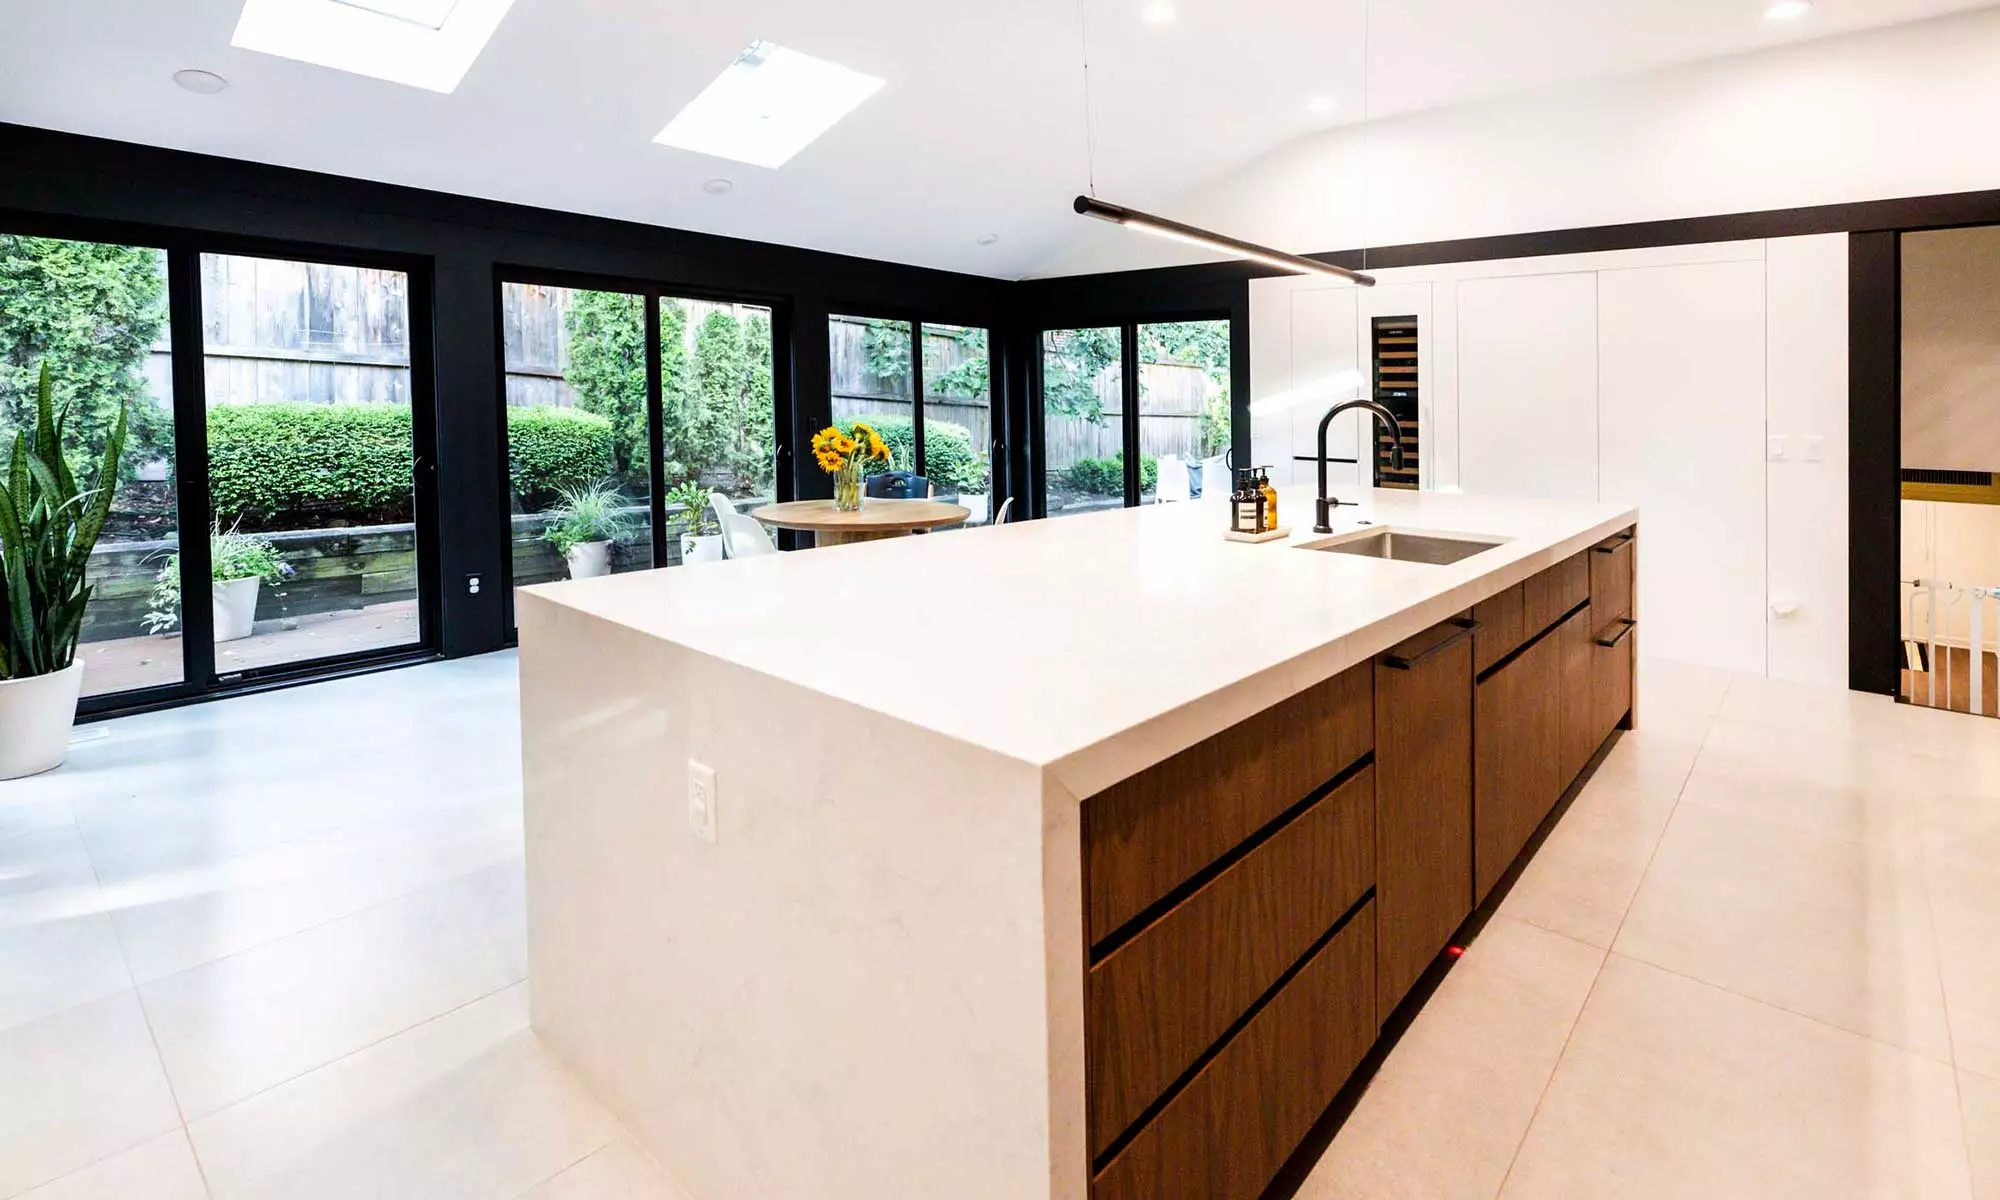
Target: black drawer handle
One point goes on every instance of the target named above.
(1616, 543)
(1626, 626)
(1398, 662)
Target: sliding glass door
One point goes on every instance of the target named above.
(1133, 413)
(96, 315)
(879, 370)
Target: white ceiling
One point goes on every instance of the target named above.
(979, 131)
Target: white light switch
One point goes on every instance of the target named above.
(701, 800)
(1815, 448)
(1777, 447)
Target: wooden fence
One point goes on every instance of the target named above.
(859, 392)
(1173, 397)
(534, 335)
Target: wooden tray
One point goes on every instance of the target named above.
(1282, 531)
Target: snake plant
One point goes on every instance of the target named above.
(47, 530)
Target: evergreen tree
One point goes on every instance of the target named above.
(607, 368)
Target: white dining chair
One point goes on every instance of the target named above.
(742, 537)
(1006, 506)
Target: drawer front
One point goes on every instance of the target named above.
(1147, 835)
(1229, 1131)
(1503, 626)
(1580, 734)
(1516, 745)
(1611, 566)
(1159, 1001)
(1611, 676)
(1551, 594)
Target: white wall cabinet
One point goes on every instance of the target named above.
(1527, 386)
(1681, 427)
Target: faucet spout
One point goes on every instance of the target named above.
(1326, 504)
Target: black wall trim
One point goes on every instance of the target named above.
(1874, 463)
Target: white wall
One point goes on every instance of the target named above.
(1663, 378)
(1904, 111)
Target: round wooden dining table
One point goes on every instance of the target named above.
(876, 519)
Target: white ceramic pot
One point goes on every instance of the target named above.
(235, 608)
(35, 716)
(588, 560)
(977, 502)
(701, 548)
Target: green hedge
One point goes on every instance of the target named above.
(303, 466)
(1106, 476)
(549, 449)
(951, 462)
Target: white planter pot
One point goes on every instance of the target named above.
(701, 548)
(35, 716)
(977, 502)
(588, 560)
(235, 608)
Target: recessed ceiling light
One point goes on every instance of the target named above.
(987, 239)
(201, 83)
(718, 187)
(1787, 10)
(767, 106)
(1159, 12)
(423, 43)
(1320, 104)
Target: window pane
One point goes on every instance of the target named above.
(97, 315)
(1082, 425)
(311, 453)
(720, 418)
(871, 383)
(578, 451)
(958, 417)
(1183, 405)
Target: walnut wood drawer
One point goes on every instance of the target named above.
(1226, 1134)
(1611, 566)
(1158, 1002)
(1548, 597)
(1147, 835)
(1509, 620)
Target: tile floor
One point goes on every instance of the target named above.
(274, 948)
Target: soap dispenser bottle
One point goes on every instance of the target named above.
(1270, 495)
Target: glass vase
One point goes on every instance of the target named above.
(847, 488)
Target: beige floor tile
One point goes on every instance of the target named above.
(1584, 876)
(1653, 761)
(234, 1027)
(1860, 791)
(1811, 708)
(162, 1169)
(78, 1087)
(1828, 928)
(620, 1171)
(57, 963)
(467, 1106)
(1442, 1119)
(1965, 905)
(1979, 1100)
(46, 874)
(1679, 697)
(1960, 829)
(1671, 1088)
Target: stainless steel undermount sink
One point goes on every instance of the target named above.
(1404, 546)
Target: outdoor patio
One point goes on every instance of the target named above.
(120, 664)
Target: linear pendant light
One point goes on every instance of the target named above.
(1132, 218)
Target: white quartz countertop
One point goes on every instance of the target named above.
(1092, 645)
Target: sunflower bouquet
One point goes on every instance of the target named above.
(845, 455)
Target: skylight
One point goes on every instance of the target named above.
(422, 43)
(431, 14)
(767, 106)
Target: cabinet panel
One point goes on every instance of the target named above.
(1611, 676)
(1161, 1000)
(1423, 788)
(1517, 747)
(1527, 386)
(1503, 626)
(1580, 736)
(1149, 834)
(1611, 571)
(1229, 1131)
(1549, 595)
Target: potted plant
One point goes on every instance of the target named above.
(48, 528)
(583, 525)
(239, 564)
(701, 536)
(970, 485)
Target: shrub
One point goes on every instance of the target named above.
(304, 466)
(1106, 476)
(951, 462)
(549, 449)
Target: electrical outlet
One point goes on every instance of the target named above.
(701, 800)
(472, 585)
(1777, 453)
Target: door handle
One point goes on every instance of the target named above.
(1626, 626)
(1399, 663)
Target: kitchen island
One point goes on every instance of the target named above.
(1074, 858)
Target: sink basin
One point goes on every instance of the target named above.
(1404, 546)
